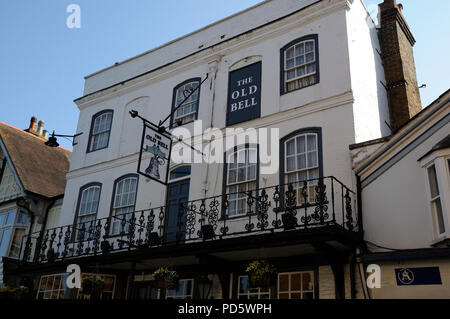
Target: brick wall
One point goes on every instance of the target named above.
(397, 43)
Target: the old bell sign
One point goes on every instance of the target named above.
(244, 94)
(154, 157)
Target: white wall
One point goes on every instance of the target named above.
(328, 105)
(367, 75)
(396, 210)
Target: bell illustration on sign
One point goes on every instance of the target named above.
(155, 161)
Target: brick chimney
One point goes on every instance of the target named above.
(397, 44)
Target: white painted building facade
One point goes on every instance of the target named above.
(343, 100)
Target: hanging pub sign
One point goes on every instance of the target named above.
(244, 94)
(154, 157)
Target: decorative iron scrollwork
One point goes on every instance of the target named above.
(321, 207)
(262, 207)
(348, 210)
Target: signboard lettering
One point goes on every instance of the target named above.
(244, 94)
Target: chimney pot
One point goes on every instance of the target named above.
(45, 134)
(40, 127)
(32, 126)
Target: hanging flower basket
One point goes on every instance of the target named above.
(260, 274)
(166, 279)
(91, 286)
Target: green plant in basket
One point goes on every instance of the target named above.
(260, 274)
(166, 279)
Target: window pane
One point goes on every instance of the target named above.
(233, 160)
(243, 284)
(290, 53)
(253, 158)
(301, 71)
(296, 281)
(300, 60)
(311, 68)
(313, 173)
(312, 142)
(300, 144)
(232, 176)
(251, 172)
(301, 161)
(291, 74)
(16, 243)
(312, 159)
(2, 219)
(22, 218)
(10, 219)
(283, 282)
(290, 147)
(4, 241)
(433, 182)
(290, 63)
(241, 158)
(290, 163)
(300, 49)
(307, 283)
(310, 57)
(439, 216)
(309, 46)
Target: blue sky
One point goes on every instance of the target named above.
(43, 63)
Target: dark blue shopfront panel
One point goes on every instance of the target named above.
(418, 276)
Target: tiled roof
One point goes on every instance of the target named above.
(42, 169)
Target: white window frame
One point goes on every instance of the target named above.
(296, 66)
(308, 168)
(440, 160)
(301, 291)
(87, 223)
(189, 103)
(116, 221)
(14, 226)
(251, 291)
(94, 133)
(247, 182)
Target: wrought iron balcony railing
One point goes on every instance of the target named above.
(307, 204)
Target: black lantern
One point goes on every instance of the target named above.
(52, 142)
